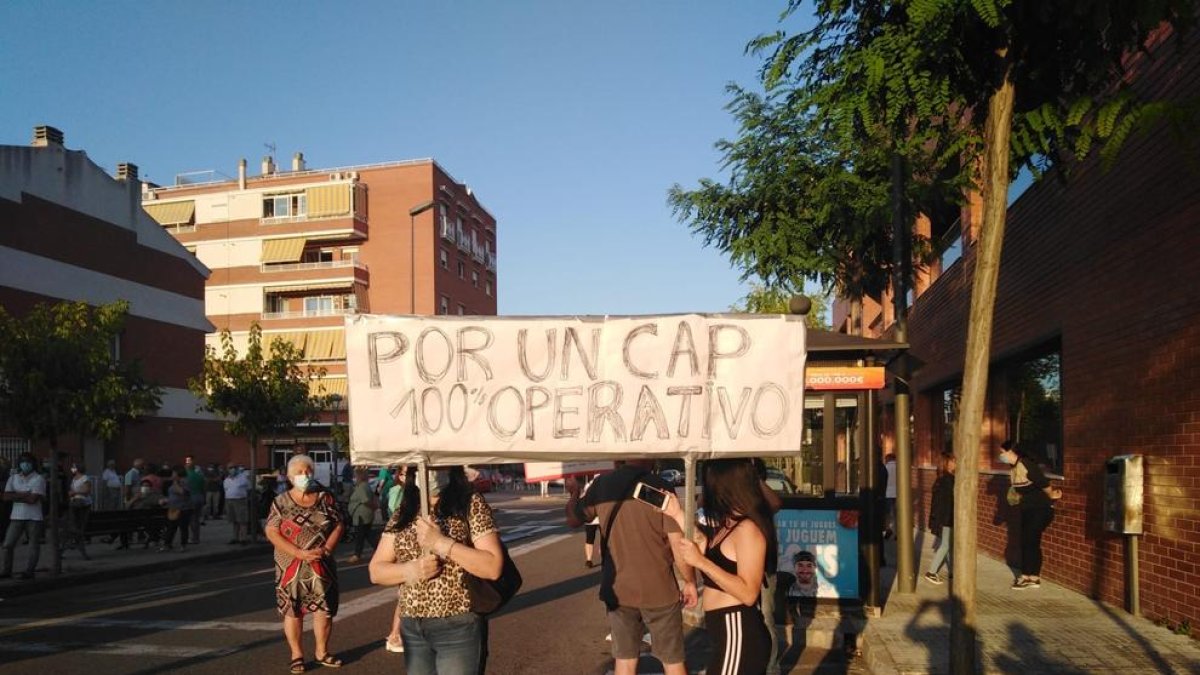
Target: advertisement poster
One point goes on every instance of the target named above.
(818, 555)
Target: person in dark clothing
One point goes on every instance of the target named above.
(1034, 498)
(941, 518)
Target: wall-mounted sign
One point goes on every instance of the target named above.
(844, 377)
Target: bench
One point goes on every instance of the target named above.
(125, 522)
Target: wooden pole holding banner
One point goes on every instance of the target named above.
(423, 486)
(689, 497)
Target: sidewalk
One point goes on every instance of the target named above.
(1045, 630)
(109, 563)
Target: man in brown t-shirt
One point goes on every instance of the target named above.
(638, 584)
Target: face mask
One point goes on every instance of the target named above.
(1004, 459)
(233, 471)
(26, 467)
(302, 481)
(145, 489)
(74, 469)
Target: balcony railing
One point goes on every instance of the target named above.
(182, 228)
(292, 267)
(308, 314)
(304, 218)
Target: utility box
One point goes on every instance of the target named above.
(1123, 494)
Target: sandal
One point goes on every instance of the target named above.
(329, 661)
(296, 665)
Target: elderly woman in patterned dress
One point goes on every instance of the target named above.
(428, 557)
(304, 525)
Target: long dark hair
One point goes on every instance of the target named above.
(454, 499)
(732, 491)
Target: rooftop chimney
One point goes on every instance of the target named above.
(127, 171)
(298, 161)
(268, 165)
(242, 173)
(45, 136)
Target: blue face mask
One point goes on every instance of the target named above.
(302, 481)
(26, 467)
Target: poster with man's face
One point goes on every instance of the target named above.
(818, 553)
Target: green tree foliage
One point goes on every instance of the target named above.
(767, 300)
(1004, 83)
(258, 393)
(59, 374)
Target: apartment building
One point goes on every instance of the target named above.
(71, 232)
(1094, 353)
(297, 250)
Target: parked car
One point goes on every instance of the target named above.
(778, 481)
(673, 477)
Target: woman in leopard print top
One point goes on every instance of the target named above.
(428, 557)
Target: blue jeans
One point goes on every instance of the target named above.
(943, 550)
(450, 646)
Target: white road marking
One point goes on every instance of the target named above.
(118, 649)
(537, 543)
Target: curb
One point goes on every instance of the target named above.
(876, 656)
(51, 583)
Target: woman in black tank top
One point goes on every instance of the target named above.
(738, 536)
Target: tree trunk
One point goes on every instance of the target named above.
(55, 492)
(963, 622)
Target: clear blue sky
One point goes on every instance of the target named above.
(569, 119)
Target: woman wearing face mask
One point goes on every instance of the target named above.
(1036, 507)
(79, 501)
(304, 525)
(428, 557)
(145, 498)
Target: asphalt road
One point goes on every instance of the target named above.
(220, 617)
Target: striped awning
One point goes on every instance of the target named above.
(344, 285)
(328, 200)
(328, 386)
(297, 338)
(325, 345)
(172, 213)
(283, 250)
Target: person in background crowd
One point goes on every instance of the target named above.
(133, 479)
(179, 510)
(110, 484)
(212, 492)
(237, 508)
(361, 509)
(590, 528)
(739, 535)
(941, 518)
(889, 527)
(347, 480)
(637, 586)
(26, 490)
(430, 557)
(154, 474)
(281, 481)
(387, 478)
(5, 505)
(145, 498)
(1036, 508)
(79, 504)
(195, 480)
(305, 525)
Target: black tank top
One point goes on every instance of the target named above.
(712, 551)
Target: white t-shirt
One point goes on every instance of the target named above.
(237, 487)
(111, 479)
(133, 478)
(891, 480)
(77, 485)
(34, 483)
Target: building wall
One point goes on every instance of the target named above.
(71, 232)
(1104, 264)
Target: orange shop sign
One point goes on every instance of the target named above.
(847, 377)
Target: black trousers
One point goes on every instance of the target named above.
(1033, 524)
(362, 533)
(180, 526)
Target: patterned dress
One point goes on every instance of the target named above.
(303, 587)
(445, 594)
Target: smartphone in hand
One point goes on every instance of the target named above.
(651, 495)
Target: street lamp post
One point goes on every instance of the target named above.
(335, 401)
(412, 251)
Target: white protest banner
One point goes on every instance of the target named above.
(475, 390)
(536, 472)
